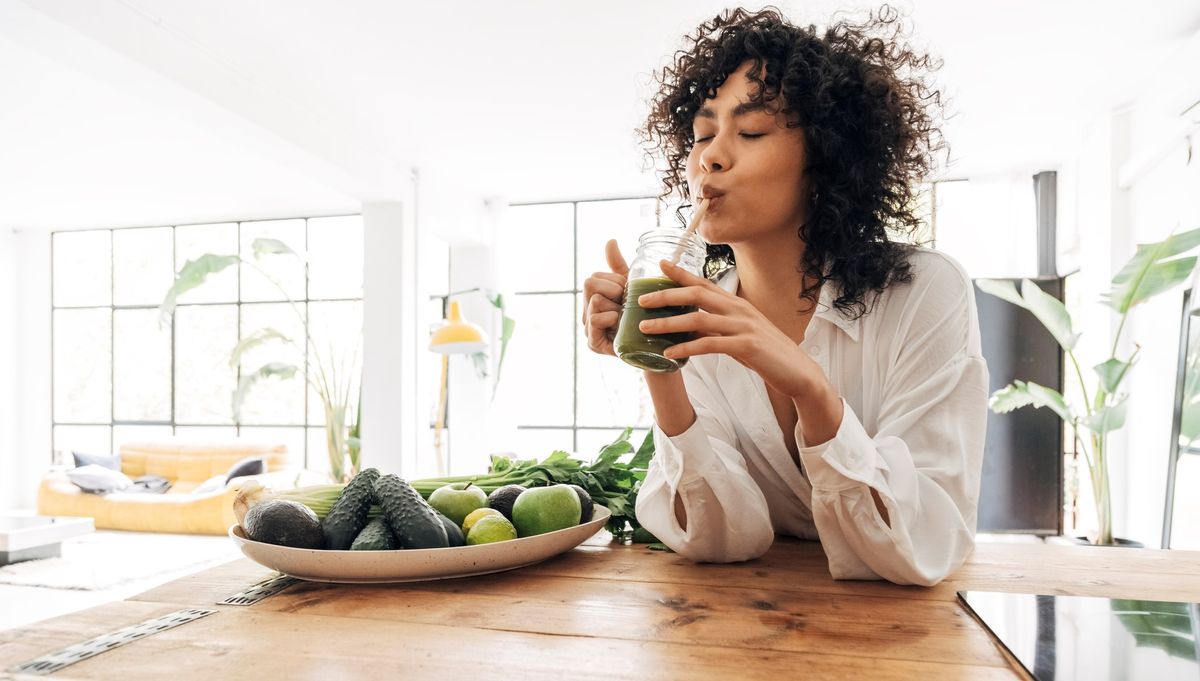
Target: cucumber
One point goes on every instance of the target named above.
(375, 537)
(414, 522)
(348, 516)
(454, 533)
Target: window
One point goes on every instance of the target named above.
(568, 397)
(119, 376)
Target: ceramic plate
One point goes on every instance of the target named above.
(416, 565)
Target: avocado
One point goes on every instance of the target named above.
(454, 533)
(414, 522)
(585, 503)
(375, 537)
(348, 516)
(503, 498)
(285, 523)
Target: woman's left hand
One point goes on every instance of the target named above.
(725, 323)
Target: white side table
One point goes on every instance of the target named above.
(32, 537)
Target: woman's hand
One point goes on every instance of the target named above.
(725, 323)
(603, 293)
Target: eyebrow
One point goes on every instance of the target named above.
(739, 110)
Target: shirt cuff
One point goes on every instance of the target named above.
(689, 456)
(848, 460)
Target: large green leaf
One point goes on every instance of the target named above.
(1111, 373)
(644, 453)
(1046, 308)
(263, 246)
(1051, 312)
(1023, 394)
(252, 341)
(1150, 271)
(507, 326)
(1165, 626)
(1002, 289)
(192, 274)
(1107, 419)
(268, 370)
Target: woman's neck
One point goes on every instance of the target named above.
(770, 279)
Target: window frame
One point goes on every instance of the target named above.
(304, 426)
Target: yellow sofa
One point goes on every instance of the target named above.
(179, 511)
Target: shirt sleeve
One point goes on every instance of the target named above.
(924, 459)
(726, 512)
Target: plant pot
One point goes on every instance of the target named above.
(1118, 542)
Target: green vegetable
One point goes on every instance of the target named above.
(611, 482)
(348, 516)
(414, 522)
(375, 537)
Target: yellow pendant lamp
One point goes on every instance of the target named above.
(455, 336)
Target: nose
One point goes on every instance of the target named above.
(715, 157)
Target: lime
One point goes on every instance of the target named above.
(474, 516)
(491, 528)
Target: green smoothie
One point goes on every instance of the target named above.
(645, 350)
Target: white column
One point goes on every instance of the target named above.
(389, 308)
(8, 369)
(25, 410)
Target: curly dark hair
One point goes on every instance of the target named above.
(870, 119)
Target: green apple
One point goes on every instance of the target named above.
(491, 528)
(546, 509)
(457, 499)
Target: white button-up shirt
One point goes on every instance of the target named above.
(914, 388)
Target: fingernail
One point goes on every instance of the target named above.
(644, 325)
(644, 298)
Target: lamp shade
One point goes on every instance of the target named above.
(457, 336)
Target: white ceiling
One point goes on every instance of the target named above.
(119, 112)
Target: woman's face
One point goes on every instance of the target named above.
(750, 158)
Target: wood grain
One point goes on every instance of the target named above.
(606, 610)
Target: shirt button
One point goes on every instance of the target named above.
(814, 350)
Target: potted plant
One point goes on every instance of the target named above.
(1153, 269)
(333, 378)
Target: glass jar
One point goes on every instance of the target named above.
(645, 350)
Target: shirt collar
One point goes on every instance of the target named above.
(825, 309)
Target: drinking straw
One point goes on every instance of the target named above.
(691, 229)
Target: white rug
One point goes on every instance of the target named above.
(105, 559)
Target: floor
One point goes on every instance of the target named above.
(23, 605)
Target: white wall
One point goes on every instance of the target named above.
(1110, 221)
(25, 309)
(8, 368)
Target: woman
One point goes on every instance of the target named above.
(836, 389)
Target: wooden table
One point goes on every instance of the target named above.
(604, 611)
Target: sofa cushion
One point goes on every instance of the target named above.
(213, 484)
(195, 462)
(251, 465)
(85, 459)
(96, 479)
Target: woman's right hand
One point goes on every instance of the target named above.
(604, 293)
